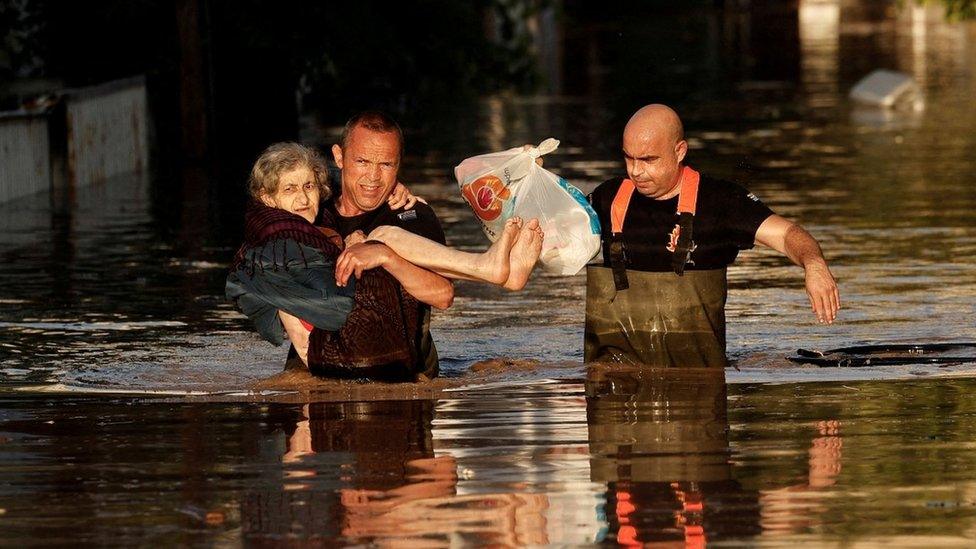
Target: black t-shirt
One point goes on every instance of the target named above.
(420, 220)
(726, 219)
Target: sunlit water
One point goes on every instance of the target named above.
(116, 290)
(621, 460)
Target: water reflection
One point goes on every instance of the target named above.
(366, 472)
(658, 438)
(354, 470)
(638, 457)
(797, 508)
(656, 455)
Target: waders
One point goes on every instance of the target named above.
(664, 319)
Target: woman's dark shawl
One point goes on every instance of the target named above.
(366, 329)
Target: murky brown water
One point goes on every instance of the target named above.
(655, 457)
(120, 289)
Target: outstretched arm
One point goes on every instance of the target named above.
(794, 242)
(427, 286)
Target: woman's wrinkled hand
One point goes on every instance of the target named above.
(360, 257)
(401, 197)
(355, 238)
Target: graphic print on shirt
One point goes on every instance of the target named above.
(673, 238)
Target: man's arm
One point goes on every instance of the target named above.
(794, 242)
(427, 286)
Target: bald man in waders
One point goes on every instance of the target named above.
(669, 233)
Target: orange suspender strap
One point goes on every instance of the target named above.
(618, 209)
(681, 244)
(687, 198)
(618, 256)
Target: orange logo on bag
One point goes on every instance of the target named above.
(486, 196)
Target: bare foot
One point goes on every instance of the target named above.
(494, 263)
(524, 255)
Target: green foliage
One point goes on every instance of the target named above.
(956, 10)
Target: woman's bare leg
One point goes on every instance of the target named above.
(493, 265)
(297, 333)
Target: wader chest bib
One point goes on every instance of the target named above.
(666, 319)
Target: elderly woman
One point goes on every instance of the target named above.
(284, 274)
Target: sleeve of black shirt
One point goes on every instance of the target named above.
(425, 223)
(746, 214)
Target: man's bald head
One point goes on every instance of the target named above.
(657, 119)
(654, 148)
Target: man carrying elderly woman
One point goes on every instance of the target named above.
(365, 320)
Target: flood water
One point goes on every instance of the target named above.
(125, 415)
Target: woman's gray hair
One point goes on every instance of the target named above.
(284, 157)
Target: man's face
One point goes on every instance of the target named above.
(297, 193)
(653, 161)
(369, 163)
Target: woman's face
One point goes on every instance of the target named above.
(297, 193)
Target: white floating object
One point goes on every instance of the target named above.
(883, 88)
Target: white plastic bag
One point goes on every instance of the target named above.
(509, 183)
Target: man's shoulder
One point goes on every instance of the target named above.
(708, 180)
(419, 210)
(420, 219)
(420, 213)
(603, 194)
(724, 189)
(609, 186)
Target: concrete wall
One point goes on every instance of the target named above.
(25, 166)
(91, 135)
(108, 131)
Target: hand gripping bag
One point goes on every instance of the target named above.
(509, 183)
